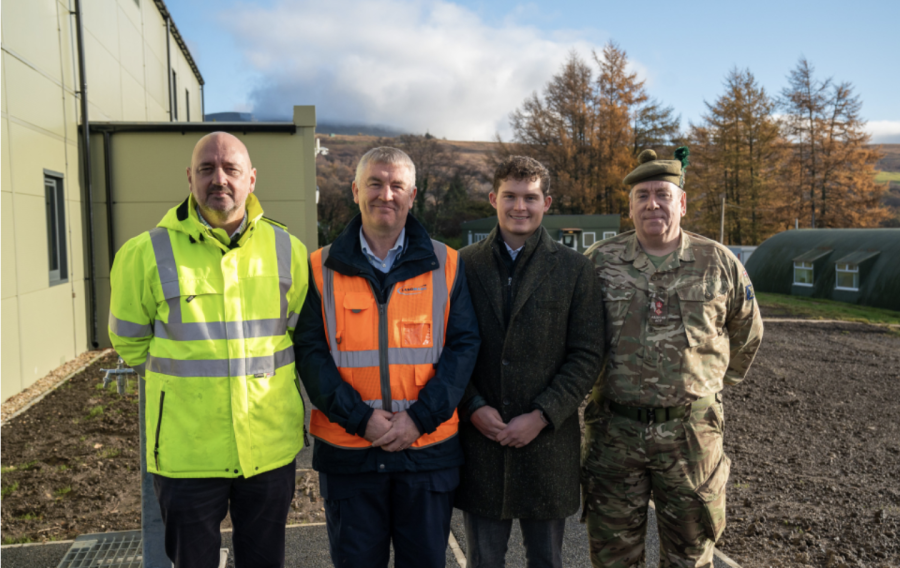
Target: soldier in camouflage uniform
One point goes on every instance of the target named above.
(681, 323)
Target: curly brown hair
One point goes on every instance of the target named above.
(519, 168)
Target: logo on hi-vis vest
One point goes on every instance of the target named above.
(411, 291)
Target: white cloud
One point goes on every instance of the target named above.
(884, 131)
(408, 64)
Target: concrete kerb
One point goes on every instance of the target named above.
(800, 320)
(52, 388)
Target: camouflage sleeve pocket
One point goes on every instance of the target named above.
(703, 308)
(712, 494)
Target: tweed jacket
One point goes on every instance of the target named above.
(547, 358)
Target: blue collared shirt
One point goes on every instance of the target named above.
(384, 265)
(513, 253)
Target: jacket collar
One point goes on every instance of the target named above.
(184, 219)
(635, 254)
(346, 256)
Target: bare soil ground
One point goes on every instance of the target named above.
(814, 434)
(71, 465)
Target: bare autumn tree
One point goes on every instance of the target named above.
(832, 167)
(588, 128)
(737, 151)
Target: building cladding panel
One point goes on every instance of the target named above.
(125, 48)
(877, 252)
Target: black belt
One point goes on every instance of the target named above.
(657, 415)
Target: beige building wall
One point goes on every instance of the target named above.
(125, 50)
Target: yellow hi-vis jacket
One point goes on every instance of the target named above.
(209, 327)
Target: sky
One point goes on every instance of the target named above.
(457, 69)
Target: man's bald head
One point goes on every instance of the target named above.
(223, 139)
(220, 178)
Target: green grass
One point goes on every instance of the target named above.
(885, 177)
(7, 469)
(818, 308)
(20, 540)
(110, 453)
(95, 412)
(9, 489)
(63, 467)
(29, 517)
(62, 492)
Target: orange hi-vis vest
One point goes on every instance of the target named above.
(387, 352)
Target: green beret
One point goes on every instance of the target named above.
(651, 169)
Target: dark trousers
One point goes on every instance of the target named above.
(193, 510)
(487, 541)
(365, 512)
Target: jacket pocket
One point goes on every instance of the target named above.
(357, 329)
(703, 309)
(712, 495)
(616, 302)
(162, 400)
(415, 334)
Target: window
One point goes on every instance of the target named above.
(174, 96)
(608, 234)
(803, 274)
(846, 277)
(479, 237)
(187, 105)
(585, 241)
(56, 229)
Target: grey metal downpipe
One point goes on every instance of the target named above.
(169, 65)
(86, 171)
(107, 172)
(202, 104)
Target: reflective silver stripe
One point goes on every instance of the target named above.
(124, 328)
(168, 271)
(396, 356)
(208, 331)
(328, 307)
(283, 252)
(220, 367)
(140, 369)
(396, 405)
(439, 299)
(292, 319)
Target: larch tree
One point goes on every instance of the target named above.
(588, 128)
(832, 167)
(738, 153)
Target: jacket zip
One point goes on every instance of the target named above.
(162, 398)
(383, 360)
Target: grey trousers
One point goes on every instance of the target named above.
(487, 541)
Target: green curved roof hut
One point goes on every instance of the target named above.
(857, 266)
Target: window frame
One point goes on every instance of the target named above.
(609, 234)
(584, 242)
(55, 218)
(804, 266)
(846, 270)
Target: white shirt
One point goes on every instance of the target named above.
(384, 265)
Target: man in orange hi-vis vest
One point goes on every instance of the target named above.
(385, 345)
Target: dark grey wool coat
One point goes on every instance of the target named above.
(548, 358)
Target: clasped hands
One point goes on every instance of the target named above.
(391, 432)
(520, 431)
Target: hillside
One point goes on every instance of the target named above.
(891, 160)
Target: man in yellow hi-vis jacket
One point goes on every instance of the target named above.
(204, 307)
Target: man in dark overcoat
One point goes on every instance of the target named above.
(540, 315)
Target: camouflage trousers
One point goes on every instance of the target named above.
(680, 461)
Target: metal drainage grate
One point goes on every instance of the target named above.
(114, 550)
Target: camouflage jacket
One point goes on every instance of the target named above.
(675, 333)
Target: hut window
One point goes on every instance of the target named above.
(803, 273)
(587, 239)
(479, 237)
(846, 277)
(609, 234)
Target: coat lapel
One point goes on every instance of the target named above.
(489, 276)
(539, 266)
